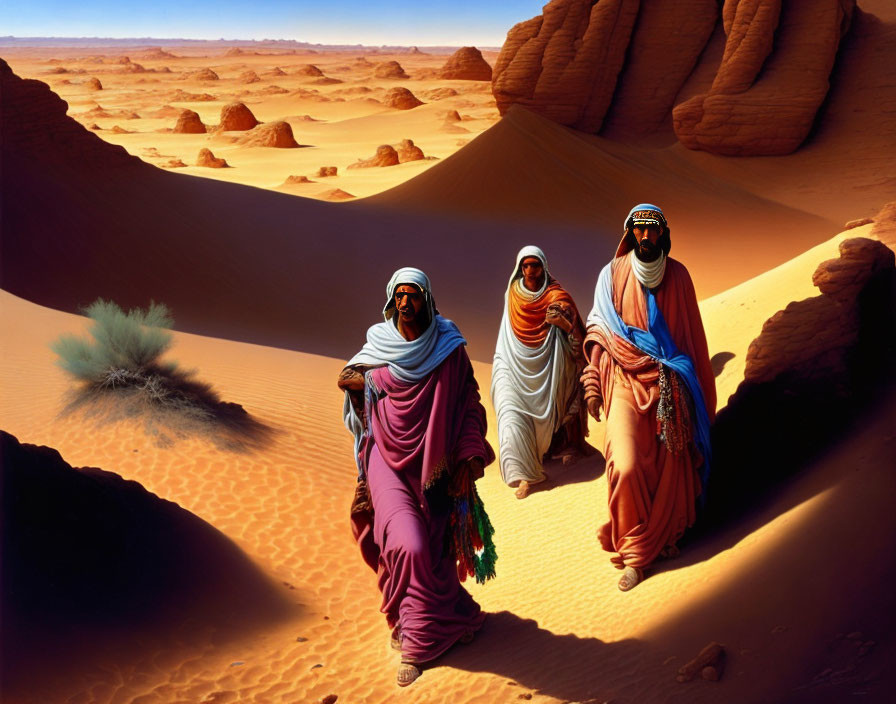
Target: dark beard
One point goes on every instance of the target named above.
(647, 251)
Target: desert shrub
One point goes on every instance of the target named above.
(126, 347)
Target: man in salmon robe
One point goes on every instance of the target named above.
(538, 359)
(412, 404)
(649, 368)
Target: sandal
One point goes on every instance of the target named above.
(631, 577)
(407, 673)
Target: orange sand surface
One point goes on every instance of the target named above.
(792, 591)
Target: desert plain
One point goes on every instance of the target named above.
(242, 582)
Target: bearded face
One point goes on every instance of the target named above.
(647, 238)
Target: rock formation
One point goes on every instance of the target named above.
(408, 151)
(777, 54)
(205, 74)
(276, 71)
(385, 156)
(335, 194)
(248, 77)
(401, 98)
(189, 122)
(309, 70)
(325, 171)
(206, 158)
(466, 64)
(236, 117)
(270, 134)
(292, 180)
(616, 67)
(389, 69)
(93, 84)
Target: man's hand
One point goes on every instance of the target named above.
(350, 380)
(559, 314)
(594, 404)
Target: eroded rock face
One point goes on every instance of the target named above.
(270, 134)
(93, 84)
(309, 70)
(772, 79)
(408, 151)
(189, 122)
(616, 67)
(205, 74)
(236, 117)
(466, 64)
(564, 64)
(401, 98)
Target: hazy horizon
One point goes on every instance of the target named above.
(393, 23)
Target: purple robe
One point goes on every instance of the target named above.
(419, 432)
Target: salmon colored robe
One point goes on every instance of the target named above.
(652, 493)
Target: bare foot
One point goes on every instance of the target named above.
(631, 577)
(407, 673)
(522, 491)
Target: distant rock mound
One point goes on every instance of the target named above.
(386, 155)
(236, 117)
(34, 126)
(401, 99)
(309, 70)
(189, 122)
(616, 67)
(439, 93)
(181, 96)
(276, 71)
(325, 81)
(389, 69)
(270, 134)
(466, 64)
(205, 74)
(158, 53)
(408, 151)
(93, 84)
(234, 51)
(293, 180)
(335, 194)
(325, 171)
(206, 158)
(248, 77)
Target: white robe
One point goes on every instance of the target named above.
(529, 384)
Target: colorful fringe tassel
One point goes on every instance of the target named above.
(471, 533)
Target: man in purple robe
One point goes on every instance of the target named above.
(412, 404)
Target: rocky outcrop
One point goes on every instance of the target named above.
(335, 194)
(309, 70)
(293, 180)
(276, 71)
(270, 134)
(389, 69)
(617, 67)
(666, 43)
(401, 98)
(189, 122)
(386, 155)
(564, 64)
(772, 80)
(439, 93)
(248, 77)
(814, 338)
(325, 171)
(93, 84)
(236, 117)
(408, 151)
(466, 64)
(205, 74)
(206, 158)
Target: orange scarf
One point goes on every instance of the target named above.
(527, 316)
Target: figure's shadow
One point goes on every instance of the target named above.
(584, 469)
(533, 658)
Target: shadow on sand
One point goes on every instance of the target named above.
(92, 563)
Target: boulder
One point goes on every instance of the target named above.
(93, 84)
(389, 69)
(189, 122)
(205, 74)
(309, 70)
(408, 151)
(401, 99)
(325, 171)
(248, 77)
(386, 155)
(466, 64)
(206, 158)
(236, 117)
(270, 134)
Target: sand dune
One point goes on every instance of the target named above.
(575, 637)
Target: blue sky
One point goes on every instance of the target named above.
(432, 22)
